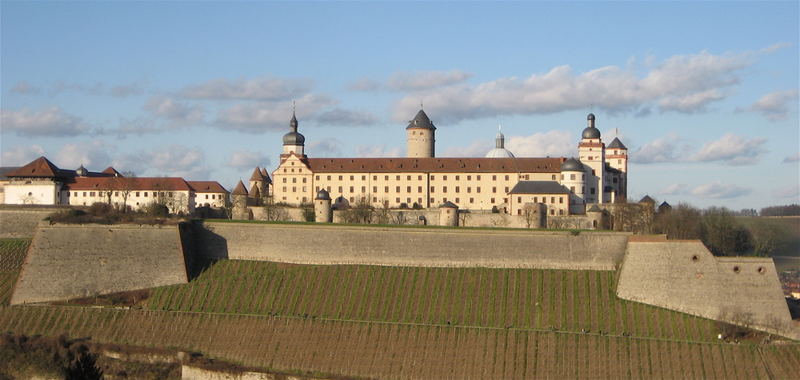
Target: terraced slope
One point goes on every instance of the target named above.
(12, 255)
(577, 301)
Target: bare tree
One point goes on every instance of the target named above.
(399, 218)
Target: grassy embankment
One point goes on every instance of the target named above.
(12, 254)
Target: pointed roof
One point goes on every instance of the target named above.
(594, 208)
(616, 144)
(265, 173)
(240, 189)
(257, 176)
(40, 167)
(111, 171)
(421, 121)
(448, 204)
(647, 199)
(254, 193)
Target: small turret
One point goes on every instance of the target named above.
(421, 136)
(239, 196)
(448, 214)
(323, 212)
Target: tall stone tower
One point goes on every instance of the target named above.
(617, 156)
(592, 153)
(421, 136)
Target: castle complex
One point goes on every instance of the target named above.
(499, 181)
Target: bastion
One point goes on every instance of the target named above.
(21, 221)
(72, 261)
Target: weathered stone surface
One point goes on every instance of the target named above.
(70, 261)
(685, 276)
(318, 244)
(20, 223)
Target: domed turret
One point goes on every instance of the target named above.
(590, 132)
(322, 194)
(322, 207)
(81, 171)
(571, 165)
(293, 141)
(499, 150)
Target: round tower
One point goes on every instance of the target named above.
(573, 177)
(421, 136)
(239, 196)
(322, 207)
(448, 214)
(596, 216)
(591, 151)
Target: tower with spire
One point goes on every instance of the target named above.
(421, 136)
(293, 142)
(499, 150)
(592, 153)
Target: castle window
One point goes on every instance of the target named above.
(408, 178)
(492, 200)
(397, 178)
(329, 178)
(591, 190)
(363, 189)
(469, 178)
(583, 177)
(552, 199)
(519, 211)
(457, 178)
(444, 178)
(294, 180)
(519, 199)
(494, 189)
(478, 189)
(593, 173)
(317, 189)
(494, 178)
(433, 200)
(505, 200)
(284, 170)
(572, 177)
(374, 189)
(408, 189)
(305, 199)
(363, 178)
(397, 189)
(300, 170)
(554, 177)
(560, 199)
(472, 200)
(552, 212)
(419, 178)
(590, 157)
(374, 178)
(284, 189)
(386, 189)
(340, 189)
(340, 178)
(572, 189)
(408, 200)
(351, 178)
(284, 179)
(304, 179)
(91, 194)
(374, 199)
(351, 199)
(478, 178)
(84, 193)
(294, 189)
(419, 189)
(351, 189)
(458, 189)
(317, 177)
(444, 189)
(433, 177)
(506, 177)
(619, 161)
(206, 196)
(386, 178)
(329, 189)
(292, 168)
(433, 189)
(561, 212)
(397, 200)
(736, 269)
(506, 189)
(458, 200)
(616, 151)
(304, 189)
(535, 199)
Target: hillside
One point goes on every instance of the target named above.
(783, 231)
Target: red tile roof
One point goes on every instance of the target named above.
(436, 165)
(128, 183)
(110, 170)
(240, 189)
(207, 187)
(40, 167)
(257, 176)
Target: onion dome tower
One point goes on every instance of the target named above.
(294, 142)
(499, 150)
(421, 136)
(81, 171)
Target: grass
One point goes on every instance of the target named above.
(479, 297)
(12, 255)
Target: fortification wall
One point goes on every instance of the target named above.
(19, 222)
(332, 244)
(71, 261)
(685, 276)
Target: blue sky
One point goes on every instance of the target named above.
(703, 94)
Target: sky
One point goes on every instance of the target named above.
(704, 94)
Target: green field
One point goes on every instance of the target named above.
(12, 254)
(520, 298)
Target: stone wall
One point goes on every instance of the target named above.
(21, 221)
(71, 261)
(685, 276)
(436, 247)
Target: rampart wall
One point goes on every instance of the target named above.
(685, 276)
(435, 247)
(71, 261)
(19, 222)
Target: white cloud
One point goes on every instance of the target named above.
(43, 122)
(683, 83)
(718, 190)
(126, 90)
(424, 80)
(674, 189)
(775, 47)
(551, 143)
(377, 151)
(25, 88)
(171, 161)
(476, 149)
(262, 116)
(732, 150)
(364, 84)
(91, 154)
(338, 116)
(792, 158)
(245, 159)
(325, 148)
(774, 106)
(670, 148)
(791, 191)
(173, 110)
(21, 155)
(263, 89)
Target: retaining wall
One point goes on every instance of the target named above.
(331, 244)
(71, 261)
(18, 222)
(685, 276)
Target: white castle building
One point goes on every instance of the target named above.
(498, 181)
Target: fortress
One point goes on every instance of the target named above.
(500, 181)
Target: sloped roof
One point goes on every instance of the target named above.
(435, 165)
(616, 144)
(40, 167)
(7, 169)
(594, 208)
(206, 187)
(647, 199)
(538, 187)
(448, 204)
(111, 171)
(257, 175)
(240, 189)
(421, 121)
(128, 183)
(265, 173)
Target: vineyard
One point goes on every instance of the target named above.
(393, 350)
(549, 300)
(12, 254)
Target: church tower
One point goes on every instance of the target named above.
(421, 136)
(591, 151)
(293, 141)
